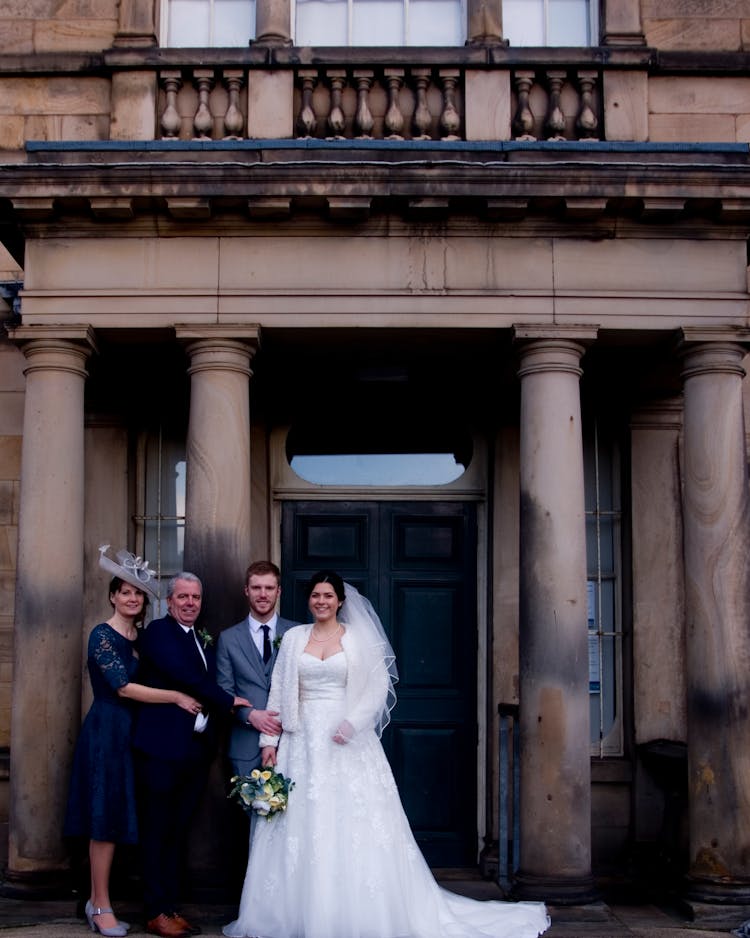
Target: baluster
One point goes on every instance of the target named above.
(307, 123)
(587, 121)
(170, 119)
(203, 123)
(555, 123)
(336, 119)
(363, 119)
(450, 119)
(422, 118)
(523, 121)
(394, 119)
(233, 119)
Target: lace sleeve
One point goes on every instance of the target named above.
(107, 658)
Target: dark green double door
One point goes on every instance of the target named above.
(416, 562)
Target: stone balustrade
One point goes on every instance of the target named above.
(380, 102)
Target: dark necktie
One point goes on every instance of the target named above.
(266, 644)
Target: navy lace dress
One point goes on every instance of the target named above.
(101, 803)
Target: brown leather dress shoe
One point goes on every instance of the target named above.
(165, 926)
(183, 922)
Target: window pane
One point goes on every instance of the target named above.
(436, 23)
(234, 22)
(568, 23)
(189, 23)
(321, 23)
(378, 23)
(523, 22)
(378, 469)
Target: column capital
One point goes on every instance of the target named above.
(712, 352)
(220, 347)
(81, 333)
(55, 348)
(576, 332)
(248, 333)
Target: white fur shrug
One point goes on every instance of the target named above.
(366, 683)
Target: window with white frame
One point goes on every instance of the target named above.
(207, 23)
(551, 22)
(160, 508)
(603, 522)
(380, 22)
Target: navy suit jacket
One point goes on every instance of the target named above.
(170, 659)
(241, 672)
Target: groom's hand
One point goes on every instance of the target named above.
(265, 721)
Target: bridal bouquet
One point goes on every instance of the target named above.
(264, 791)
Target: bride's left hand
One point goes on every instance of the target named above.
(344, 733)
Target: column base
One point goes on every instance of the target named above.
(724, 891)
(712, 916)
(41, 884)
(555, 890)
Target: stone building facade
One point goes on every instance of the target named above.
(508, 283)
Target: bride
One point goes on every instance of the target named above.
(341, 861)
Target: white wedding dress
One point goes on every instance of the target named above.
(342, 862)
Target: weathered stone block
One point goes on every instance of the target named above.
(671, 128)
(269, 105)
(16, 36)
(6, 517)
(696, 96)
(74, 36)
(10, 457)
(695, 34)
(487, 105)
(11, 132)
(47, 96)
(626, 105)
(134, 96)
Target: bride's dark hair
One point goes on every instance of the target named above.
(327, 576)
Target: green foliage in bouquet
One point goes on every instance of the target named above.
(264, 791)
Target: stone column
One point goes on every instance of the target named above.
(717, 599)
(217, 533)
(485, 22)
(555, 810)
(49, 602)
(273, 22)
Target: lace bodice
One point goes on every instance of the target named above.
(112, 662)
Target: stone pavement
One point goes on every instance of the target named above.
(21, 918)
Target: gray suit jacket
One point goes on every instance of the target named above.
(240, 671)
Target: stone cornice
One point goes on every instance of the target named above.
(571, 184)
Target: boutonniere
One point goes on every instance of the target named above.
(206, 637)
(277, 642)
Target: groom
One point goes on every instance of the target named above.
(245, 656)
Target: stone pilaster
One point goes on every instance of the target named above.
(49, 602)
(717, 600)
(555, 810)
(217, 532)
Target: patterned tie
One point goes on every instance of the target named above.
(266, 644)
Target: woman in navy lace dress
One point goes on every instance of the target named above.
(101, 804)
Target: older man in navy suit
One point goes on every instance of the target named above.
(245, 657)
(174, 749)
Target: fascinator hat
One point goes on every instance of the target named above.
(131, 569)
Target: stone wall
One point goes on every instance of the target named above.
(697, 24)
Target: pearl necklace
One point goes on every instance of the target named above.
(322, 641)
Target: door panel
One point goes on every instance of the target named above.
(416, 562)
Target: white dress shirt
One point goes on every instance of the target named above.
(256, 631)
